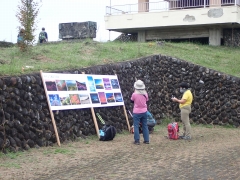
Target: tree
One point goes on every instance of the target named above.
(27, 16)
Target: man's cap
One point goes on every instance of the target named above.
(184, 85)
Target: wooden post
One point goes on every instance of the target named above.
(94, 119)
(51, 113)
(95, 122)
(125, 112)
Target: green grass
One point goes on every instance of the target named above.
(166, 121)
(76, 55)
(11, 155)
(59, 151)
(10, 165)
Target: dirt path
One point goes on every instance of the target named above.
(212, 154)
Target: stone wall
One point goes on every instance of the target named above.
(25, 119)
(5, 44)
(77, 30)
(127, 38)
(231, 37)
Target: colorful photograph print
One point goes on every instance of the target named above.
(114, 83)
(94, 98)
(74, 98)
(61, 85)
(91, 83)
(110, 97)
(98, 83)
(118, 97)
(84, 98)
(107, 84)
(81, 86)
(51, 85)
(54, 100)
(65, 99)
(102, 97)
(71, 85)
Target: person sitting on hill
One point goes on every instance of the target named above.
(43, 36)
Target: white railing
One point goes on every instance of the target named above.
(168, 5)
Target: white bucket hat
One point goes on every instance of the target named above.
(139, 85)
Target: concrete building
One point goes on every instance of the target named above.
(175, 19)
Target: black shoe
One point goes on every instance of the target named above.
(146, 142)
(181, 137)
(136, 143)
(186, 138)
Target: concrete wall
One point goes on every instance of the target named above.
(173, 18)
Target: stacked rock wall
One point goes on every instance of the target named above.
(231, 37)
(127, 38)
(5, 44)
(25, 118)
(77, 30)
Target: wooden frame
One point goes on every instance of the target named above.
(92, 108)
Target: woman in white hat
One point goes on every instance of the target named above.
(140, 98)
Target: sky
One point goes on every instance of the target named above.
(54, 12)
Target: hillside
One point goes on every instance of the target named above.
(72, 55)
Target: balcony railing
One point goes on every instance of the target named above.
(168, 5)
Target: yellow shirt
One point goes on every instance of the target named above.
(188, 97)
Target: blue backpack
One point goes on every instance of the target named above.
(107, 133)
(150, 119)
(19, 38)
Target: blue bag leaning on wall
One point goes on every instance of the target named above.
(107, 133)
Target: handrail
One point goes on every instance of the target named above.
(167, 5)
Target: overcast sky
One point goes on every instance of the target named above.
(53, 12)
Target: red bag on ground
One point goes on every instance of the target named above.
(173, 130)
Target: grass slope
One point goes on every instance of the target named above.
(64, 56)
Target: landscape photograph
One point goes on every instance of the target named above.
(84, 98)
(118, 97)
(91, 83)
(81, 86)
(65, 99)
(61, 85)
(75, 100)
(51, 85)
(98, 83)
(71, 85)
(107, 84)
(110, 97)
(102, 97)
(54, 100)
(115, 84)
(94, 98)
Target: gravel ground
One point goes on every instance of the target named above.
(212, 154)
